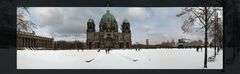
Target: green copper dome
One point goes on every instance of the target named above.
(108, 17)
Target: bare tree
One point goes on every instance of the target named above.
(216, 31)
(198, 16)
(22, 22)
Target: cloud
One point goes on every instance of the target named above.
(139, 14)
(70, 23)
(61, 23)
(48, 16)
(161, 12)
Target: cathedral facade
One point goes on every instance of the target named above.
(108, 35)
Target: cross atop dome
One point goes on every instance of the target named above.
(108, 3)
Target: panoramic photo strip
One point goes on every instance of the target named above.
(119, 38)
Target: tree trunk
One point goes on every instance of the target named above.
(205, 46)
(215, 47)
(215, 51)
(205, 42)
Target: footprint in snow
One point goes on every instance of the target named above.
(135, 60)
(89, 60)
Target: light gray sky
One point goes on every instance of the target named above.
(154, 23)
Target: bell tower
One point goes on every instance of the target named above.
(90, 33)
(90, 25)
(126, 32)
(126, 26)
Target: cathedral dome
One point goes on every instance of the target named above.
(108, 17)
(125, 21)
(90, 20)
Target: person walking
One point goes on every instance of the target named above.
(106, 50)
(98, 50)
(109, 48)
(197, 48)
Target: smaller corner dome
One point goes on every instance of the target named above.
(91, 20)
(125, 21)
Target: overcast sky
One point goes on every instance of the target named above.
(69, 23)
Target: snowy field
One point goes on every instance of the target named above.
(117, 59)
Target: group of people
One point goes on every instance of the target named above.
(106, 50)
(81, 49)
(198, 49)
(137, 49)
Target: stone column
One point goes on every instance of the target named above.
(27, 43)
(45, 44)
(17, 43)
(30, 42)
(34, 43)
(23, 42)
(39, 43)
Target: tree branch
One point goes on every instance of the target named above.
(199, 18)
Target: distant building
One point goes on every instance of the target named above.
(108, 35)
(31, 41)
(68, 45)
(147, 42)
(183, 42)
(196, 43)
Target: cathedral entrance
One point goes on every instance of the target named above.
(108, 35)
(121, 45)
(109, 42)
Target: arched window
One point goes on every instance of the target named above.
(127, 27)
(108, 30)
(113, 28)
(127, 45)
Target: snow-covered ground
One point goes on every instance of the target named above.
(117, 59)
